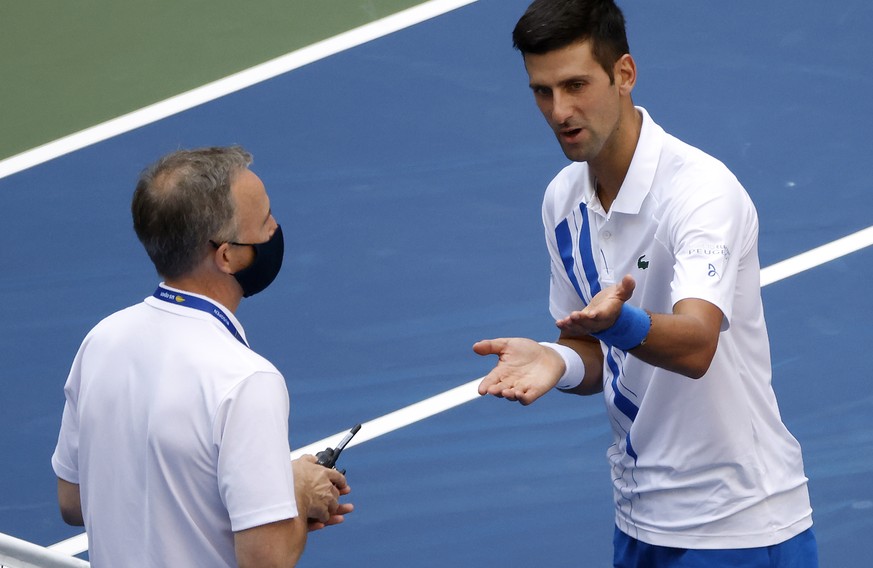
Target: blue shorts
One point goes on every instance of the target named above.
(798, 552)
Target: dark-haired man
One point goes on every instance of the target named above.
(655, 287)
(173, 449)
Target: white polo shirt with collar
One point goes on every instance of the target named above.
(177, 434)
(703, 463)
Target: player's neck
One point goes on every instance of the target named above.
(610, 167)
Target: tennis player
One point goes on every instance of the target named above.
(655, 287)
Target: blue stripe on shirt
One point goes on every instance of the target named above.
(588, 264)
(589, 269)
(565, 248)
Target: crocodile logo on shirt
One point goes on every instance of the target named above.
(642, 263)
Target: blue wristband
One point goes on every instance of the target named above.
(629, 330)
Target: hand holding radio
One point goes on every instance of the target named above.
(328, 457)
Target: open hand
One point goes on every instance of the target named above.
(524, 372)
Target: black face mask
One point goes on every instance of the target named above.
(264, 269)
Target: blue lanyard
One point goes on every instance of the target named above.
(188, 301)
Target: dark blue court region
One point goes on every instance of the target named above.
(407, 174)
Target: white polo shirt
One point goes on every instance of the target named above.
(703, 463)
(177, 434)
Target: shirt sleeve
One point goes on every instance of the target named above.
(710, 232)
(65, 459)
(255, 479)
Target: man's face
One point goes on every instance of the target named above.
(255, 222)
(576, 97)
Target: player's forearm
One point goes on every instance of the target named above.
(679, 343)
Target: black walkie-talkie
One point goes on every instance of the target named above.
(328, 457)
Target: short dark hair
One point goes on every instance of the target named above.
(183, 201)
(548, 25)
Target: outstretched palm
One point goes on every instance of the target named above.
(524, 372)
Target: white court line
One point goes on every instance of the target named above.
(228, 85)
(468, 391)
(399, 418)
(817, 256)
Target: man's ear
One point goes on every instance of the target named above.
(221, 258)
(625, 71)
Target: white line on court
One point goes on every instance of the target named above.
(229, 84)
(467, 391)
(399, 418)
(817, 256)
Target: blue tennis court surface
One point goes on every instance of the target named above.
(407, 174)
